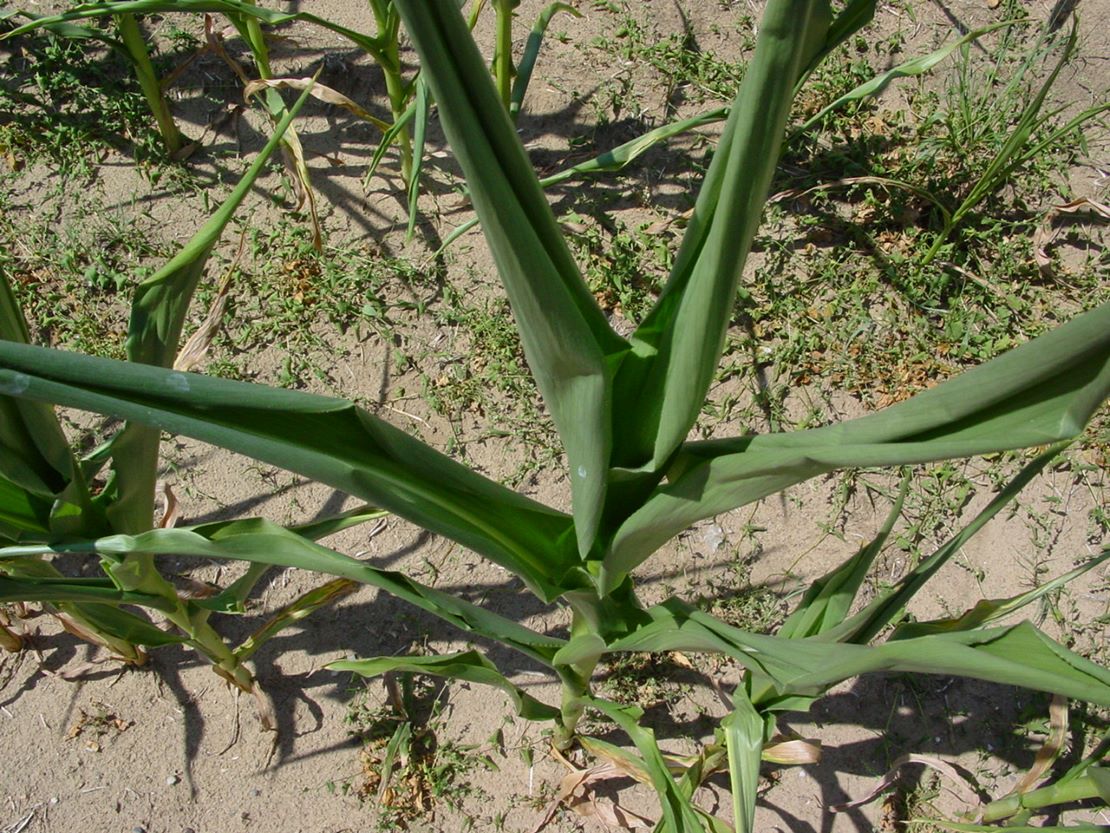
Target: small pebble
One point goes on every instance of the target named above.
(173, 779)
(138, 830)
(188, 830)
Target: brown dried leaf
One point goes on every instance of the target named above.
(792, 751)
(319, 92)
(216, 44)
(267, 714)
(171, 511)
(1053, 745)
(193, 589)
(196, 348)
(576, 794)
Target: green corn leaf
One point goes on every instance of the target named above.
(1093, 783)
(41, 483)
(854, 16)
(1016, 655)
(233, 598)
(466, 665)
(329, 440)
(334, 524)
(161, 301)
(64, 30)
(290, 614)
(24, 516)
(388, 138)
(745, 730)
(678, 812)
(1100, 776)
(1039, 393)
(531, 52)
(399, 744)
(259, 541)
(62, 589)
(660, 389)
(92, 604)
(989, 611)
(568, 343)
(158, 314)
(122, 625)
(422, 112)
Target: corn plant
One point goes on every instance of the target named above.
(624, 408)
(47, 491)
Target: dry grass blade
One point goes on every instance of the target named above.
(576, 792)
(958, 782)
(792, 751)
(291, 150)
(196, 348)
(293, 154)
(216, 45)
(171, 509)
(319, 92)
(1050, 750)
(264, 707)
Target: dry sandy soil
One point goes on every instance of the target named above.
(170, 749)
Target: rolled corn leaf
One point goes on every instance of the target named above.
(570, 347)
(660, 388)
(158, 313)
(745, 730)
(1039, 393)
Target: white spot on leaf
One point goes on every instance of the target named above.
(178, 382)
(14, 384)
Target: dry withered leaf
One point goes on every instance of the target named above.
(196, 348)
(318, 91)
(1050, 750)
(97, 724)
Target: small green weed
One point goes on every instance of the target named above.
(300, 301)
(409, 772)
(66, 103)
(624, 268)
(73, 277)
